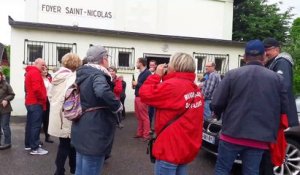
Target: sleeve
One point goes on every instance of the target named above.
(284, 68)
(284, 101)
(209, 85)
(221, 95)
(10, 93)
(118, 87)
(102, 90)
(37, 86)
(154, 93)
(143, 79)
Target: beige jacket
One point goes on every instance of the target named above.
(58, 125)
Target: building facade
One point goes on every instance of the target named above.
(128, 29)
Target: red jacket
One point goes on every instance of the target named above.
(180, 142)
(118, 87)
(34, 87)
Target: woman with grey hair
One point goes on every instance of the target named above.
(93, 134)
(179, 114)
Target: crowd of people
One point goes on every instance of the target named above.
(173, 113)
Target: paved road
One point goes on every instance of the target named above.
(128, 157)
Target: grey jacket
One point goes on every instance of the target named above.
(283, 65)
(252, 99)
(93, 133)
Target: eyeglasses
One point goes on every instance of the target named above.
(208, 66)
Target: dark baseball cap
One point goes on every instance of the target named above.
(254, 48)
(271, 42)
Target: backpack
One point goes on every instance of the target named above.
(71, 106)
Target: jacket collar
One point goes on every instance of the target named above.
(255, 63)
(182, 75)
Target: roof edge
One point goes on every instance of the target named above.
(55, 27)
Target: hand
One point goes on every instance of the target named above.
(134, 83)
(4, 103)
(161, 69)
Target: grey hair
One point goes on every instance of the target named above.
(182, 62)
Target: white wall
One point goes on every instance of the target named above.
(195, 18)
(84, 40)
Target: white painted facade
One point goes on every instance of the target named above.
(199, 19)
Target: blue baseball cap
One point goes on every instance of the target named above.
(254, 48)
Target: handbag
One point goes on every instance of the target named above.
(154, 136)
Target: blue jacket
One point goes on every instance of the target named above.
(252, 99)
(142, 77)
(93, 133)
(283, 65)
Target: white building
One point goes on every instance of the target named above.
(128, 29)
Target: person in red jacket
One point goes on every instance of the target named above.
(35, 102)
(117, 82)
(177, 144)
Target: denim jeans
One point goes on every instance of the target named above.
(88, 165)
(228, 152)
(65, 150)
(33, 126)
(4, 121)
(207, 111)
(166, 168)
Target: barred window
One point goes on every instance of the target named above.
(241, 61)
(61, 51)
(121, 57)
(51, 52)
(34, 52)
(221, 61)
(200, 63)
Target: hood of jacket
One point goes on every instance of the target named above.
(61, 75)
(286, 56)
(31, 68)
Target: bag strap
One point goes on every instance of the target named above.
(177, 117)
(94, 109)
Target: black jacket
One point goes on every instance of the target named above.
(142, 77)
(252, 98)
(93, 133)
(283, 65)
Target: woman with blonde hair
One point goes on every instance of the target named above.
(179, 114)
(58, 125)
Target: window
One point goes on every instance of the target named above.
(221, 61)
(51, 52)
(124, 59)
(61, 51)
(34, 52)
(219, 64)
(200, 65)
(241, 61)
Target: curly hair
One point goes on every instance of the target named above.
(71, 61)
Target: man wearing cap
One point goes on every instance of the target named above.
(281, 63)
(246, 128)
(93, 134)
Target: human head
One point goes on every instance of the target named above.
(152, 65)
(40, 64)
(141, 63)
(254, 51)
(71, 61)
(272, 47)
(97, 55)
(113, 71)
(210, 67)
(181, 62)
(45, 71)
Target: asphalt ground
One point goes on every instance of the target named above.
(128, 156)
